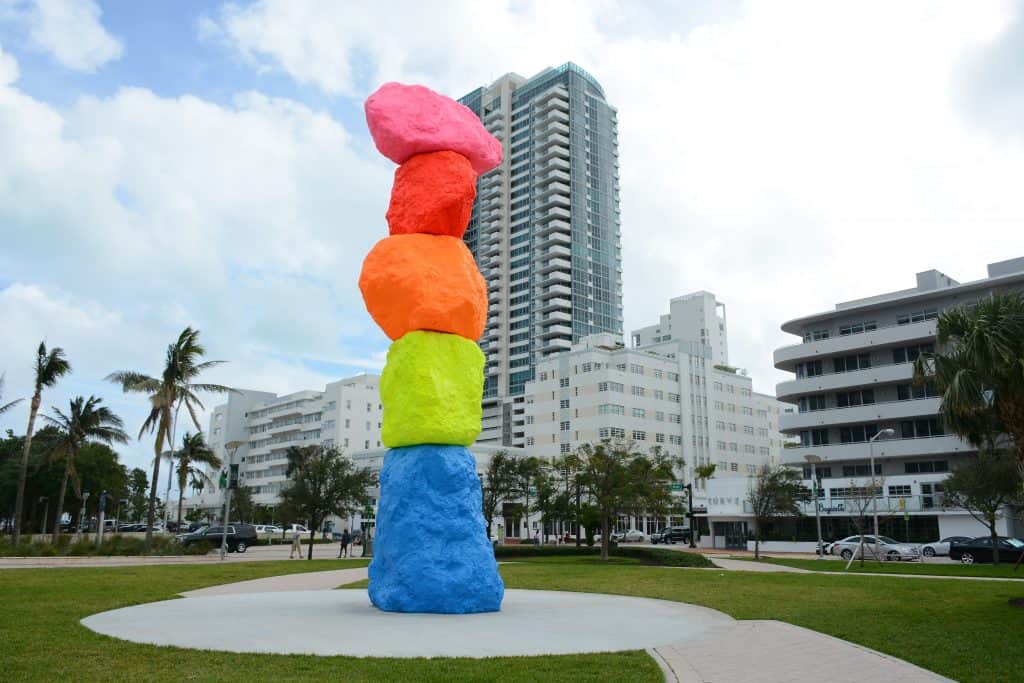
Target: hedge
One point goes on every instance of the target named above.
(649, 556)
(113, 544)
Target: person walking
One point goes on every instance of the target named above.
(296, 544)
(346, 538)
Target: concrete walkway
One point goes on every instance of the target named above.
(308, 581)
(751, 566)
(770, 651)
(745, 566)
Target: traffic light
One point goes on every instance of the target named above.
(233, 477)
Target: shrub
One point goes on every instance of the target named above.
(649, 556)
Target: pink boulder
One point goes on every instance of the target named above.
(406, 120)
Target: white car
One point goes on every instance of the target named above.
(633, 535)
(942, 547)
(880, 547)
(267, 529)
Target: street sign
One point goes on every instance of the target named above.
(223, 483)
(677, 486)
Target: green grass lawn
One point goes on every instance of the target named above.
(962, 629)
(43, 639)
(1003, 571)
(965, 630)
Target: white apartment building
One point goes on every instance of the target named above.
(678, 401)
(852, 379)
(346, 414)
(698, 318)
(545, 229)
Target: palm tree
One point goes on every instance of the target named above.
(194, 452)
(174, 388)
(86, 420)
(50, 366)
(5, 407)
(978, 371)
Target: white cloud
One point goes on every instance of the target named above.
(8, 68)
(126, 218)
(806, 153)
(69, 30)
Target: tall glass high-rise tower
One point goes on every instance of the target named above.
(545, 230)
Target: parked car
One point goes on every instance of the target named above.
(633, 535)
(942, 547)
(289, 528)
(980, 550)
(239, 537)
(129, 527)
(671, 535)
(267, 529)
(826, 548)
(880, 547)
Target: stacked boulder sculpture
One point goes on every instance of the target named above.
(422, 286)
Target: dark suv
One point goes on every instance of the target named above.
(239, 538)
(671, 535)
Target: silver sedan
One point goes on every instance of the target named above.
(875, 547)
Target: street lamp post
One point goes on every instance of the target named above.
(231, 447)
(888, 434)
(814, 460)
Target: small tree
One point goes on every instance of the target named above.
(324, 482)
(983, 487)
(138, 487)
(194, 458)
(529, 471)
(616, 478)
(498, 484)
(776, 491)
(862, 499)
(242, 504)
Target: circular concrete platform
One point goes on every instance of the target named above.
(343, 622)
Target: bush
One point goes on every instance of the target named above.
(113, 545)
(648, 556)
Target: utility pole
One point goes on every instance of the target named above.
(690, 515)
(232, 483)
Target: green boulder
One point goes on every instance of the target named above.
(431, 389)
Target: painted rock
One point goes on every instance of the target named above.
(424, 282)
(406, 120)
(431, 552)
(431, 389)
(433, 193)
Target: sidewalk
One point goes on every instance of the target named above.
(309, 581)
(777, 651)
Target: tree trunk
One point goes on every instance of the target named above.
(757, 546)
(995, 539)
(60, 505)
(312, 535)
(181, 497)
(151, 508)
(604, 538)
(19, 503)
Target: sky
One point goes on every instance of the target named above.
(207, 164)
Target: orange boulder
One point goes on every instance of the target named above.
(424, 282)
(433, 193)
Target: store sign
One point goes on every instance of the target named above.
(838, 507)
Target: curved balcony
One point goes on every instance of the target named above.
(840, 381)
(873, 412)
(884, 448)
(787, 357)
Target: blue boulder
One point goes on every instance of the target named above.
(431, 552)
